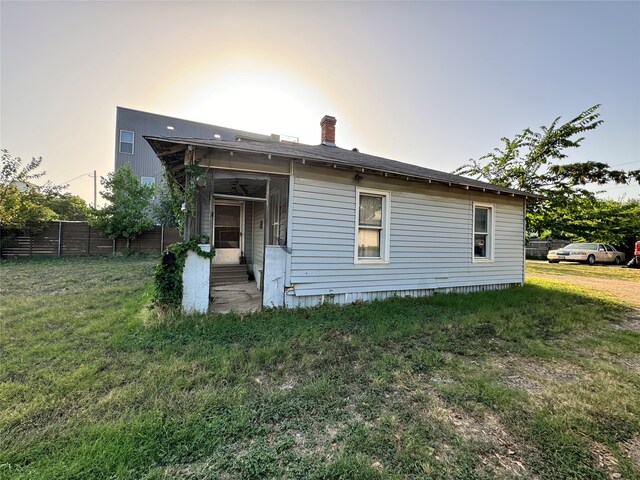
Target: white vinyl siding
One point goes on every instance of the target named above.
(429, 232)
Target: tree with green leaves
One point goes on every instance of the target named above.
(23, 206)
(67, 206)
(164, 207)
(128, 212)
(536, 162)
(22, 211)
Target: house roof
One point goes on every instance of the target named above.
(168, 150)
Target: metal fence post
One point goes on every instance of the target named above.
(60, 238)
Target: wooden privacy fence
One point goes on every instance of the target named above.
(539, 248)
(61, 239)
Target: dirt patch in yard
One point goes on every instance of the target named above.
(603, 459)
(504, 454)
(626, 290)
(535, 376)
(632, 449)
(632, 322)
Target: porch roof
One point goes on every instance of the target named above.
(170, 151)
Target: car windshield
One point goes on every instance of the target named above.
(581, 246)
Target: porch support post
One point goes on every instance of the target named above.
(266, 223)
(524, 241)
(212, 211)
(59, 238)
(187, 215)
(188, 219)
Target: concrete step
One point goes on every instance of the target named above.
(228, 268)
(236, 278)
(228, 274)
(228, 281)
(221, 283)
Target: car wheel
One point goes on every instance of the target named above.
(591, 260)
(617, 261)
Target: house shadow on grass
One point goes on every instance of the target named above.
(460, 323)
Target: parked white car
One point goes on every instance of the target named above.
(590, 253)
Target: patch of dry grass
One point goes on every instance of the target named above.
(600, 271)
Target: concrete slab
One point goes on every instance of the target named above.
(238, 297)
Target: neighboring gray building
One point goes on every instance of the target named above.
(130, 146)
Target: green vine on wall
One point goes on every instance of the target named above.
(184, 195)
(168, 273)
(194, 172)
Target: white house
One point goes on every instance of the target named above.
(318, 223)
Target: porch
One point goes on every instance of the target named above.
(245, 215)
(235, 297)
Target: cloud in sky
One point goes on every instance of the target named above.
(426, 83)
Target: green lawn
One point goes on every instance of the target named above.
(540, 381)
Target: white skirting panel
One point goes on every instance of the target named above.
(293, 301)
(195, 282)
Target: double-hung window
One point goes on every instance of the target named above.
(126, 141)
(372, 226)
(483, 217)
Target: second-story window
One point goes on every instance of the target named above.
(126, 142)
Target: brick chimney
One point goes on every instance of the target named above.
(328, 126)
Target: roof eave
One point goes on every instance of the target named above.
(238, 147)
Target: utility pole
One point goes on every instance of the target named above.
(95, 185)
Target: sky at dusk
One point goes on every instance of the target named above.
(429, 83)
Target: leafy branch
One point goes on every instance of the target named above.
(534, 161)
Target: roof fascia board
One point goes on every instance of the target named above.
(315, 158)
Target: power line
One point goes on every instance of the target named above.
(75, 178)
(622, 186)
(93, 175)
(626, 163)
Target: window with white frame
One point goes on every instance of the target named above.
(482, 232)
(148, 181)
(126, 142)
(372, 226)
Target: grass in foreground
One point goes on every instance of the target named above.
(537, 381)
